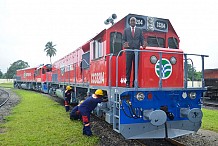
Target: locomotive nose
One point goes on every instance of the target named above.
(156, 117)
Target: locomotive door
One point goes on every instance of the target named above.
(115, 48)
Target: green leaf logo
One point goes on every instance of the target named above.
(166, 68)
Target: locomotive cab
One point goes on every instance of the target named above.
(42, 75)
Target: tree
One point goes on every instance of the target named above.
(1, 74)
(193, 74)
(14, 67)
(50, 50)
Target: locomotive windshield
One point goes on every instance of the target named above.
(173, 43)
(155, 41)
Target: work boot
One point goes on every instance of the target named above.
(87, 131)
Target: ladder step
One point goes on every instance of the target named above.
(116, 102)
(117, 116)
(118, 131)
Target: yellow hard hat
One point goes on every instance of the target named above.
(99, 92)
(68, 88)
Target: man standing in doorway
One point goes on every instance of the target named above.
(133, 39)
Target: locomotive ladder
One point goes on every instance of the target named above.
(116, 112)
(115, 100)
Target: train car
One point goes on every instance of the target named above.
(211, 83)
(24, 78)
(160, 105)
(35, 78)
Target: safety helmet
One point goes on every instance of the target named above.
(99, 92)
(68, 88)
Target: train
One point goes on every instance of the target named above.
(211, 83)
(160, 105)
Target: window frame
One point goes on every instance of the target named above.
(97, 46)
(119, 42)
(156, 45)
(176, 45)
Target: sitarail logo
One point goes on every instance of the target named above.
(166, 68)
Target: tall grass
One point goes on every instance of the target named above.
(38, 120)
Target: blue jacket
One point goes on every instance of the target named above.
(89, 104)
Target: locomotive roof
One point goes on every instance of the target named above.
(27, 68)
(40, 66)
(214, 69)
(144, 22)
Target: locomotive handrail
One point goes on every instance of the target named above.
(160, 69)
(111, 55)
(192, 71)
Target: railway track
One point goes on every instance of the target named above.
(4, 97)
(174, 142)
(211, 103)
(160, 142)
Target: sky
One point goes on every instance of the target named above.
(27, 25)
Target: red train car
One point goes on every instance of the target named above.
(211, 82)
(26, 74)
(211, 73)
(35, 78)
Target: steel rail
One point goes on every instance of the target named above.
(3, 92)
(174, 142)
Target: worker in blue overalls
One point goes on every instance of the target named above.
(86, 108)
(75, 113)
(67, 98)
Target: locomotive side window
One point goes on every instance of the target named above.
(48, 67)
(85, 60)
(43, 71)
(155, 41)
(97, 49)
(38, 71)
(115, 43)
(173, 43)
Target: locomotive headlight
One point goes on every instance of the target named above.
(153, 59)
(192, 95)
(173, 60)
(140, 96)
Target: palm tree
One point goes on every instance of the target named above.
(50, 50)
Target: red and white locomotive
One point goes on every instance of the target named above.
(33, 77)
(161, 105)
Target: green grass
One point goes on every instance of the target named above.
(38, 120)
(210, 120)
(7, 85)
